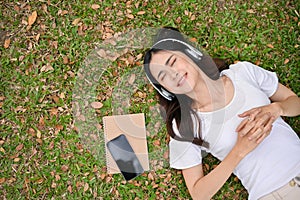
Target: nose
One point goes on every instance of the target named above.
(175, 75)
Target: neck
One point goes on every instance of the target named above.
(210, 94)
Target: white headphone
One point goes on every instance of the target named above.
(191, 50)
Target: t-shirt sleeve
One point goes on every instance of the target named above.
(265, 80)
(183, 154)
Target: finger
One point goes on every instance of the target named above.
(257, 133)
(247, 128)
(263, 119)
(253, 111)
(263, 136)
(241, 125)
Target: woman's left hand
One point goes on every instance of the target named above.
(258, 121)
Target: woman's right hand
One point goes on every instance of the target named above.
(250, 139)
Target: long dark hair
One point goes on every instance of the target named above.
(180, 107)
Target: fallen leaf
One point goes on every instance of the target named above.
(76, 21)
(39, 181)
(19, 147)
(130, 16)
(193, 17)
(55, 98)
(131, 79)
(6, 43)
(51, 145)
(2, 150)
(250, 11)
(47, 68)
(95, 6)
(141, 12)
(96, 105)
(2, 180)
(32, 18)
(53, 185)
(286, 61)
(64, 168)
(86, 187)
(69, 188)
(37, 37)
(53, 111)
(65, 60)
(57, 177)
(270, 46)
(38, 134)
(101, 53)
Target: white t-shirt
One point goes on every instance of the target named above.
(269, 166)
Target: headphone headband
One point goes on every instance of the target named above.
(191, 50)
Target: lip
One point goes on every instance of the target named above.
(182, 80)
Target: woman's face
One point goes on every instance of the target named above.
(174, 71)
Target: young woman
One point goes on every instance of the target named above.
(234, 114)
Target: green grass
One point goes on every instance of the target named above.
(41, 153)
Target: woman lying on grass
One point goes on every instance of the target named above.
(234, 114)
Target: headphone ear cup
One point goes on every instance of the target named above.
(167, 94)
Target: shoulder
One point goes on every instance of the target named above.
(248, 70)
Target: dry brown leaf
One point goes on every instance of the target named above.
(53, 185)
(130, 16)
(193, 17)
(55, 98)
(38, 134)
(47, 68)
(64, 168)
(76, 21)
(37, 37)
(39, 181)
(19, 147)
(131, 79)
(95, 6)
(286, 61)
(70, 188)
(32, 18)
(150, 176)
(57, 177)
(53, 111)
(101, 53)
(250, 11)
(86, 187)
(2, 180)
(2, 150)
(156, 143)
(141, 12)
(51, 145)
(270, 46)
(96, 105)
(6, 43)
(65, 60)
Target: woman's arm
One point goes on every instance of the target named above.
(204, 187)
(284, 103)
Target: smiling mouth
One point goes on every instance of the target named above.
(182, 79)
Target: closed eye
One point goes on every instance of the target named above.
(174, 60)
(161, 75)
